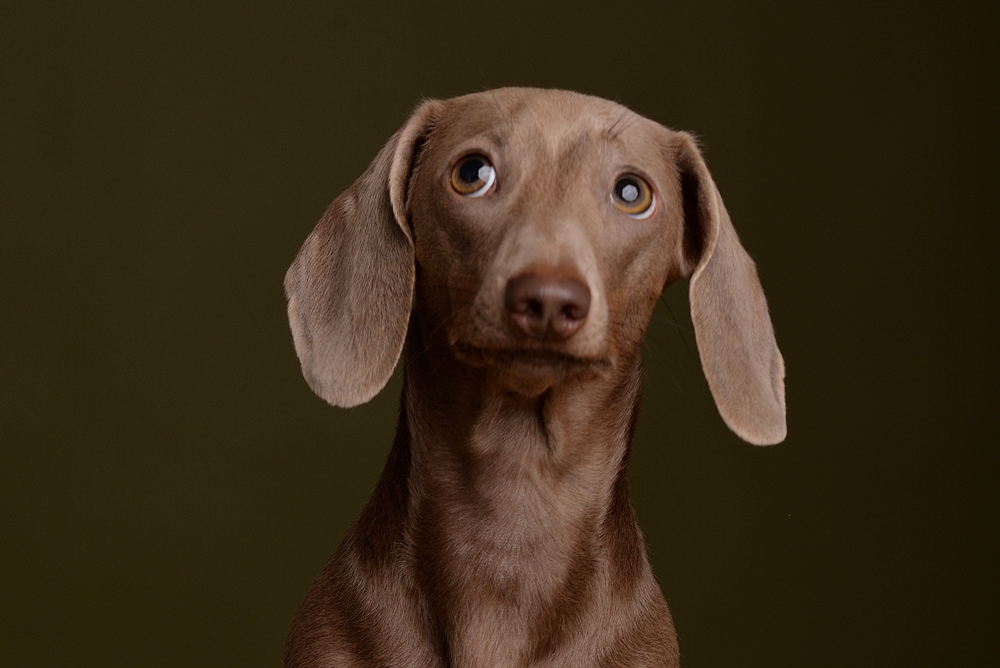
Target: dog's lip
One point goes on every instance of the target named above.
(542, 357)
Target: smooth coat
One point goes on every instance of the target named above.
(501, 532)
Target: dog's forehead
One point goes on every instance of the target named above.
(543, 118)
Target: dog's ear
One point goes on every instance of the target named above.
(350, 287)
(739, 355)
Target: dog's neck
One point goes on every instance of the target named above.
(512, 512)
(523, 474)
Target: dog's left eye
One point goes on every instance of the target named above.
(473, 175)
(633, 196)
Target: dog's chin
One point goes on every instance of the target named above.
(530, 372)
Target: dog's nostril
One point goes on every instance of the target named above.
(573, 312)
(547, 307)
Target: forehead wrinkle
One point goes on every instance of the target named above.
(625, 120)
(549, 150)
(590, 148)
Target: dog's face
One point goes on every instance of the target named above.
(567, 189)
(536, 229)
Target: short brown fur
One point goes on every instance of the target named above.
(501, 532)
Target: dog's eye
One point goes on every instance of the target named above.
(633, 196)
(473, 175)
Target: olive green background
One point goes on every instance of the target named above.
(169, 486)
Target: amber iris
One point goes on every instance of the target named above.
(473, 175)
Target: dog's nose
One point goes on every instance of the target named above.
(547, 307)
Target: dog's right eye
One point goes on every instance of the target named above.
(633, 197)
(473, 175)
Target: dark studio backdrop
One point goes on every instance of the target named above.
(169, 486)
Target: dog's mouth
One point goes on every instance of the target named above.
(534, 363)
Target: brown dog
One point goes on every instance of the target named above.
(516, 241)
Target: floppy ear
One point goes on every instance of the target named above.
(350, 287)
(739, 355)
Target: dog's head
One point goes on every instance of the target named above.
(543, 226)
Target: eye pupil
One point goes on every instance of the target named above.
(473, 170)
(630, 193)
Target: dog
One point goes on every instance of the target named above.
(514, 244)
